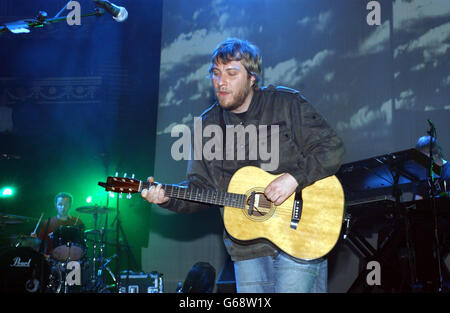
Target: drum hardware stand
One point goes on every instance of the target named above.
(119, 230)
(102, 234)
(98, 256)
(103, 250)
(103, 253)
(69, 245)
(94, 276)
(97, 273)
(41, 251)
(100, 287)
(99, 245)
(64, 266)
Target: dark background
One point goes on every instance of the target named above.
(84, 106)
(79, 103)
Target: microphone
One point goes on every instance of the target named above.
(120, 14)
(432, 131)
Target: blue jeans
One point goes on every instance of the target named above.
(280, 273)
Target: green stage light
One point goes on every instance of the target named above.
(89, 199)
(6, 192)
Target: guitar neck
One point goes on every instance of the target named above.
(201, 195)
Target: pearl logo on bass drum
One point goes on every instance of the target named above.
(19, 263)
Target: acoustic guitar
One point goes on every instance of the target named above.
(306, 225)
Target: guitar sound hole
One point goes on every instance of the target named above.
(262, 205)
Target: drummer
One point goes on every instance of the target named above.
(63, 203)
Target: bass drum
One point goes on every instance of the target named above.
(24, 270)
(68, 243)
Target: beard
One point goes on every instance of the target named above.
(235, 100)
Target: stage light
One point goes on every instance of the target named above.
(6, 192)
(89, 199)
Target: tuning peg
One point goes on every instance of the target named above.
(120, 195)
(125, 175)
(116, 174)
(132, 176)
(129, 196)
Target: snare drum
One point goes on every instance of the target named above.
(28, 241)
(68, 243)
(25, 270)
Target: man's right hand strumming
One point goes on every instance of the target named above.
(154, 194)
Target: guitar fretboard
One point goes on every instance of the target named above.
(202, 195)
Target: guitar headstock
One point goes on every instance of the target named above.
(121, 185)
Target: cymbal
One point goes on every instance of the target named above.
(28, 241)
(93, 231)
(13, 219)
(19, 240)
(122, 244)
(10, 240)
(93, 209)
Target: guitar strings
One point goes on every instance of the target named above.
(237, 201)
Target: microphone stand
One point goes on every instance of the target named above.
(41, 20)
(432, 193)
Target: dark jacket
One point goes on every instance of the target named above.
(309, 150)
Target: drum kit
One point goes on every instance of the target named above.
(75, 263)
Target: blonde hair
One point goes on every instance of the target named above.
(234, 49)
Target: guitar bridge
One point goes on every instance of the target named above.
(297, 210)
